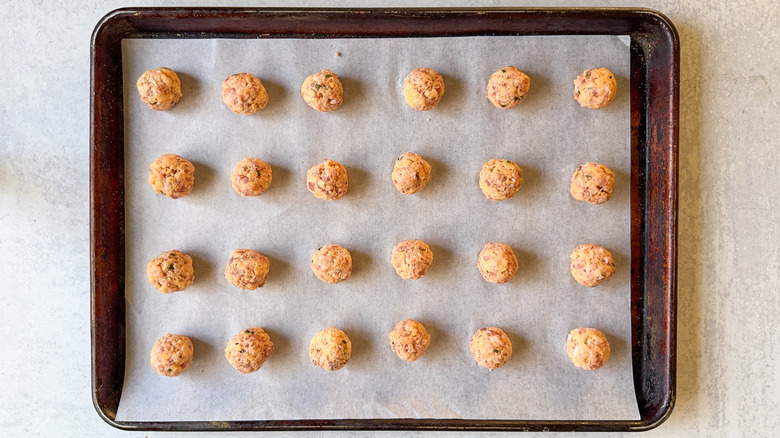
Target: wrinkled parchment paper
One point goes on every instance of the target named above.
(548, 135)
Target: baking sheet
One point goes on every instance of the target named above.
(548, 135)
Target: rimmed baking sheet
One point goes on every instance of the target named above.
(116, 181)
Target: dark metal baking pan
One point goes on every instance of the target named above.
(654, 90)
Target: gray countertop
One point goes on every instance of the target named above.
(729, 220)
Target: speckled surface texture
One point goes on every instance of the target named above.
(729, 217)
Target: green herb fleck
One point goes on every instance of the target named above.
(503, 106)
(173, 254)
(509, 161)
(503, 71)
(170, 267)
(154, 103)
(328, 76)
(170, 370)
(317, 86)
(258, 173)
(495, 350)
(587, 74)
(517, 98)
(578, 92)
(589, 176)
(245, 331)
(344, 341)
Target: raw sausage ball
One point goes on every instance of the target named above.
(244, 93)
(330, 349)
(251, 177)
(592, 183)
(490, 347)
(588, 348)
(595, 88)
(423, 89)
(323, 91)
(171, 355)
(327, 180)
(247, 269)
(170, 271)
(508, 87)
(500, 179)
(249, 349)
(409, 340)
(411, 259)
(591, 264)
(159, 89)
(332, 264)
(411, 173)
(172, 176)
(497, 263)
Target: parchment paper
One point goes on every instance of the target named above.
(548, 135)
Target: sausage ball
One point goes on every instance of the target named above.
(595, 88)
(159, 89)
(171, 355)
(251, 177)
(411, 259)
(588, 348)
(327, 180)
(591, 264)
(592, 183)
(409, 340)
(332, 264)
(323, 91)
(490, 347)
(172, 176)
(249, 349)
(411, 173)
(170, 271)
(423, 89)
(330, 349)
(243, 93)
(500, 179)
(247, 269)
(508, 87)
(497, 263)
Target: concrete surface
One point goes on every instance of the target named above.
(729, 220)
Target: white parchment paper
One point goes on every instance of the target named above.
(548, 135)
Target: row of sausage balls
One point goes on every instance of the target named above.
(331, 349)
(172, 271)
(244, 93)
(174, 176)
